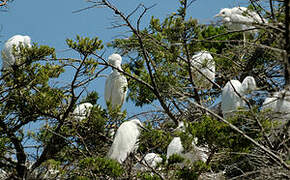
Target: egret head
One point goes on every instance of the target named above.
(138, 123)
(284, 94)
(27, 41)
(16, 39)
(115, 60)
(181, 127)
(249, 84)
(202, 56)
(226, 12)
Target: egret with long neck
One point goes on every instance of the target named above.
(116, 83)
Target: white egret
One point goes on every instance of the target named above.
(233, 92)
(279, 103)
(248, 85)
(8, 58)
(125, 141)
(176, 147)
(82, 111)
(116, 83)
(150, 160)
(200, 153)
(240, 18)
(205, 63)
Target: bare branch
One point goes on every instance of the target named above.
(4, 2)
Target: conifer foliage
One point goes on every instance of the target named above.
(250, 143)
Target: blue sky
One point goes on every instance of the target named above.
(52, 22)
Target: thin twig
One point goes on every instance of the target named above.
(269, 152)
(4, 2)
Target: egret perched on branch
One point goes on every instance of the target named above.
(150, 160)
(125, 141)
(279, 103)
(240, 18)
(116, 83)
(82, 111)
(205, 63)
(176, 147)
(233, 92)
(8, 57)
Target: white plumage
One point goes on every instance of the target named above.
(248, 85)
(279, 103)
(181, 127)
(152, 159)
(239, 18)
(198, 153)
(116, 84)
(230, 97)
(8, 59)
(175, 147)
(125, 141)
(232, 91)
(205, 63)
(82, 111)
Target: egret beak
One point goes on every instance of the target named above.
(142, 127)
(259, 89)
(218, 15)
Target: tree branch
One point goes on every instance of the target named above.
(145, 55)
(4, 2)
(269, 152)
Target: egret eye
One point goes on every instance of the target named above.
(223, 12)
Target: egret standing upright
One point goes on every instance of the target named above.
(8, 57)
(150, 160)
(125, 141)
(176, 147)
(233, 92)
(116, 84)
(204, 62)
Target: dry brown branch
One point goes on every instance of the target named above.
(4, 2)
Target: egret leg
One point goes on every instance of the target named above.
(244, 41)
(244, 38)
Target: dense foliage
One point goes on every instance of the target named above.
(250, 144)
